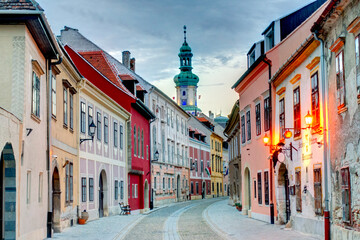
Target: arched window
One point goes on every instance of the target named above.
(135, 140)
(184, 93)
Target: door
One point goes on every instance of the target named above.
(1, 197)
(101, 197)
(203, 190)
(287, 196)
(56, 201)
(178, 188)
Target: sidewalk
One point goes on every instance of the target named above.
(229, 222)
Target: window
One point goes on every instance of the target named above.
(163, 183)
(142, 143)
(346, 194)
(115, 134)
(28, 186)
(196, 166)
(315, 108)
(133, 191)
(197, 188)
(121, 189)
(282, 117)
(298, 189)
(82, 118)
(267, 114)
(53, 96)
(69, 183)
(169, 186)
(138, 142)
(35, 95)
(266, 187)
(172, 118)
(258, 119)
(357, 62)
(40, 187)
(340, 79)
(91, 189)
(154, 140)
(121, 136)
(213, 188)
(243, 139)
(254, 188)
(177, 123)
(98, 127)
(154, 182)
(192, 188)
(136, 191)
(269, 40)
(259, 188)
(71, 101)
(65, 106)
(116, 189)
(317, 191)
(135, 140)
(297, 116)
(90, 118)
(83, 189)
(248, 125)
(202, 166)
(106, 129)
(168, 117)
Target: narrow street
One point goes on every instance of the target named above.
(202, 219)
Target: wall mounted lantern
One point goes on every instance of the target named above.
(92, 128)
(156, 156)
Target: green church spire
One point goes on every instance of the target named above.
(186, 81)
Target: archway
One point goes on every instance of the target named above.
(103, 206)
(178, 190)
(56, 201)
(146, 196)
(7, 193)
(247, 192)
(283, 199)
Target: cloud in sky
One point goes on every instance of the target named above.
(220, 34)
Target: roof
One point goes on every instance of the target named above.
(127, 77)
(202, 119)
(234, 120)
(20, 5)
(249, 70)
(139, 88)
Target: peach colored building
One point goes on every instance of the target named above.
(281, 38)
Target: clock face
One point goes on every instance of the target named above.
(281, 157)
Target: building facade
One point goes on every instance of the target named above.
(299, 169)
(199, 154)
(64, 143)
(169, 138)
(339, 28)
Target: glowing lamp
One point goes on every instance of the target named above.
(288, 134)
(266, 139)
(308, 119)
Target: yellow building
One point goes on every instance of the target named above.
(64, 143)
(216, 165)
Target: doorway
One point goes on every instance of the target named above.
(203, 190)
(102, 194)
(178, 190)
(283, 195)
(56, 201)
(146, 196)
(247, 192)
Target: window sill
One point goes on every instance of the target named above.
(65, 126)
(71, 130)
(53, 117)
(342, 109)
(35, 118)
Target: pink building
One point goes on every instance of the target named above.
(281, 38)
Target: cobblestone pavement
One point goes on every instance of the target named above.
(209, 219)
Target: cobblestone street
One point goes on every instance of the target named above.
(202, 219)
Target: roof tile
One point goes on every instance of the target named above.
(19, 5)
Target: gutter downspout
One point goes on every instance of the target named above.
(325, 129)
(272, 211)
(49, 143)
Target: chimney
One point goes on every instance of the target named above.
(132, 64)
(126, 59)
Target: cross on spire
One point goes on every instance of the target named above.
(184, 33)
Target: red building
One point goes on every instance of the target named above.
(122, 88)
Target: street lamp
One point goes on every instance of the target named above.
(266, 139)
(308, 119)
(156, 156)
(92, 128)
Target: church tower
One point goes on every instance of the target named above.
(186, 81)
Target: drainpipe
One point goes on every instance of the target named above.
(272, 212)
(49, 152)
(325, 140)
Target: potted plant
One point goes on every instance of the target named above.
(84, 217)
(238, 206)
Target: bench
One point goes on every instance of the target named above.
(125, 209)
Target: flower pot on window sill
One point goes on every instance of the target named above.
(81, 221)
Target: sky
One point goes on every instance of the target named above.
(220, 33)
